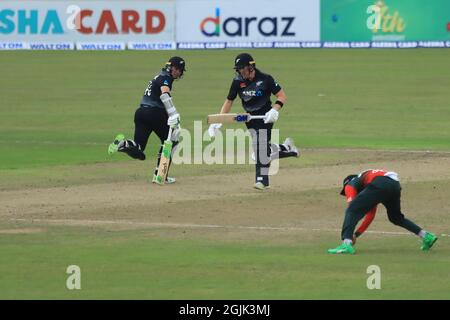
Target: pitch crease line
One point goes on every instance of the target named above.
(200, 226)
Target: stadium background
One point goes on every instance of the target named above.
(211, 236)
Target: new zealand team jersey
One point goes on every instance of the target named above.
(255, 95)
(153, 91)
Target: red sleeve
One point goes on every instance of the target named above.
(368, 218)
(350, 193)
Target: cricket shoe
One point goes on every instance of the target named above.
(260, 186)
(113, 147)
(343, 249)
(290, 146)
(428, 241)
(169, 180)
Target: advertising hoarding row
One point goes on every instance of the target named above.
(200, 24)
(388, 20)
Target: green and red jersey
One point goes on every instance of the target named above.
(357, 184)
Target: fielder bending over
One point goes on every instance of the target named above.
(364, 192)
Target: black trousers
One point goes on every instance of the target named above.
(381, 190)
(261, 134)
(148, 120)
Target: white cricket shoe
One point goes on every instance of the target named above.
(260, 186)
(169, 180)
(289, 144)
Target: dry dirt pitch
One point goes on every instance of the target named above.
(212, 236)
(303, 197)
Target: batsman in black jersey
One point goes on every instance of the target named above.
(157, 113)
(255, 89)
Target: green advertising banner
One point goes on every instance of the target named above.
(388, 20)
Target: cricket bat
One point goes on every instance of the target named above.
(164, 162)
(231, 117)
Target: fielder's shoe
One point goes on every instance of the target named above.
(169, 180)
(113, 147)
(343, 249)
(289, 144)
(428, 241)
(260, 186)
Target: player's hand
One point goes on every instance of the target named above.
(212, 129)
(271, 116)
(176, 132)
(174, 121)
(354, 239)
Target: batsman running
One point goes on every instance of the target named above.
(364, 192)
(157, 113)
(255, 89)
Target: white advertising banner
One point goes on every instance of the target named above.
(247, 21)
(87, 20)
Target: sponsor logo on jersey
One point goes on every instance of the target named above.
(252, 93)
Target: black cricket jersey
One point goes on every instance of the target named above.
(153, 91)
(255, 94)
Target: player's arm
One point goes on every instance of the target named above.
(350, 192)
(226, 107)
(368, 218)
(165, 89)
(174, 117)
(272, 115)
(213, 127)
(281, 100)
(278, 92)
(232, 94)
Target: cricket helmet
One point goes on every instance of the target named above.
(346, 181)
(176, 62)
(243, 60)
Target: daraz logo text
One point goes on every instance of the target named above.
(241, 26)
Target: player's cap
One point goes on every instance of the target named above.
(346, 181)
(177, 62)
(243, 60)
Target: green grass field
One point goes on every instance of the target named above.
(65, 201)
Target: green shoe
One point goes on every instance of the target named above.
(428, 241)
(158, 180)
(113, 147)
(343, 249)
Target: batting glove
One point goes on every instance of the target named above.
(174, 121)
(212, 129)
(271, 116)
